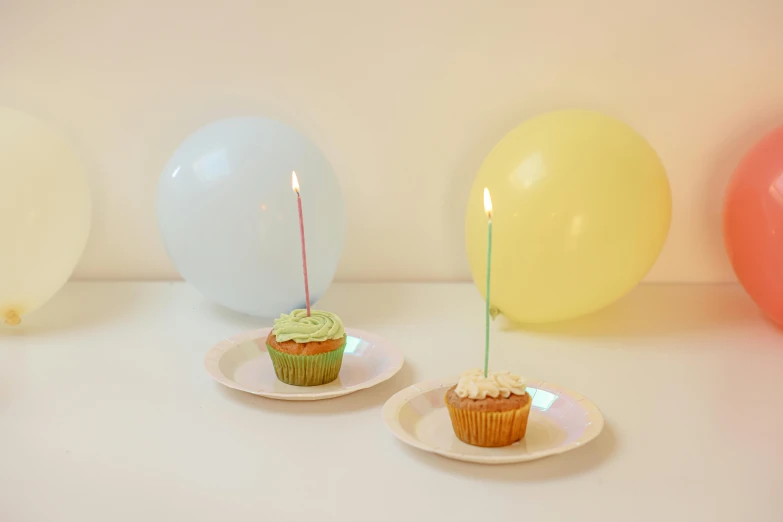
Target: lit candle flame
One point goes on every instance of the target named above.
(294, 182)
(487, 203)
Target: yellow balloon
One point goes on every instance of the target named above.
(581, 211)
(44, 213)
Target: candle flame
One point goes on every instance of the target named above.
(294, 182)
(487, 203)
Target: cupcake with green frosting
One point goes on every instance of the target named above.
(307, 350)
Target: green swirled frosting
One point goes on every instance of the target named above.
(297, 326)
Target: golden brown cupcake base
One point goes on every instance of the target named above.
(313, 348)
(489, 422)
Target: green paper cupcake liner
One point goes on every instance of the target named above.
(307, 370)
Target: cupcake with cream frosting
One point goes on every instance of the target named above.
(489, 411)
(307, 350)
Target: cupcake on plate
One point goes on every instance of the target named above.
(489, 411)
(307, 350)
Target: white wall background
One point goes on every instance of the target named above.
(401, 96)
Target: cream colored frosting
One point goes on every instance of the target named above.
(474, 385)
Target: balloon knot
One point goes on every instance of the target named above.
(12, 318)
(493, 312)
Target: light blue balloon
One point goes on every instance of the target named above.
(229, 218)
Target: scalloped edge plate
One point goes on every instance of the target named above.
(242, 363)
(560, 420)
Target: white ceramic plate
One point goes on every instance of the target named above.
(560, 420)
(242, 362)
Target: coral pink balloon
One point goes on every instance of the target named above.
(753, 223)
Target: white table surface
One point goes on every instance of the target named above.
(107, 413)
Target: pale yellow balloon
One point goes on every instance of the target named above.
(44, 213)
(581, 211)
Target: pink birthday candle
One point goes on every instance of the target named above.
(295, 186)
